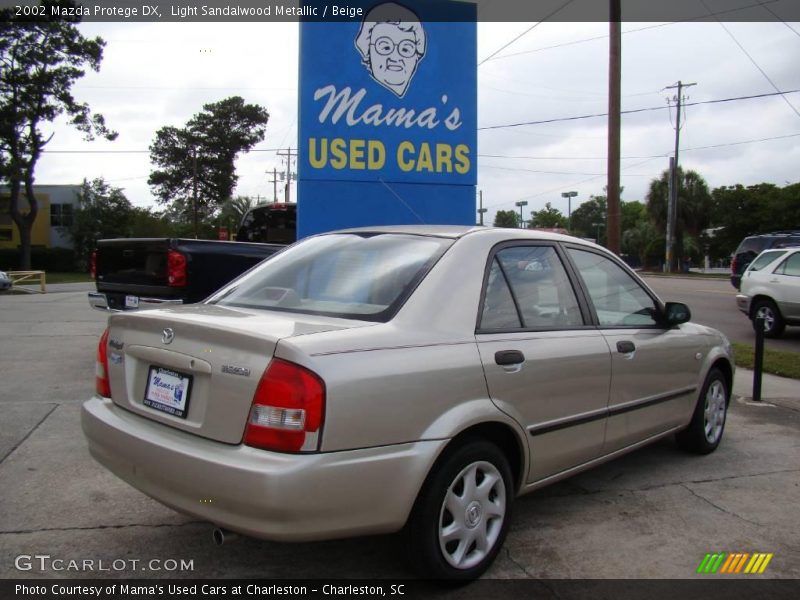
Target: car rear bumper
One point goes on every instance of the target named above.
(743, 303)
(284, 497)
(102, 301)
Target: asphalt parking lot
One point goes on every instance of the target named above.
(653, 514)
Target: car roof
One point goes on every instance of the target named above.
(458, 231)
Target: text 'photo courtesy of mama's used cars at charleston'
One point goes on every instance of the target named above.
(770, 290)
(401, 378)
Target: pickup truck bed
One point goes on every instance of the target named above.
(141, 273)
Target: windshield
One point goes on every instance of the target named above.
(362, 276)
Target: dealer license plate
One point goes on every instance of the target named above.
(131, 301)
(168, 391)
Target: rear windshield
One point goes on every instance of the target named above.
(752, 245)
(765, 258)
(356, 276)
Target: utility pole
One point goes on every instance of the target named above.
(481, 210)
(614, 125)
(274, 184)
(672, 210)
(289, 154)
(569, 196)
(194, 188)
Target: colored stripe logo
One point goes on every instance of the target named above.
(735, 563)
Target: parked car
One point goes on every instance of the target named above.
(137, 273)
(5, 281)
(752, 245)
(401, 378)
(771, 290)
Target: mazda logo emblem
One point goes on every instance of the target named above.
(167, 335)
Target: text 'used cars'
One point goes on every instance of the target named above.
(401, 378)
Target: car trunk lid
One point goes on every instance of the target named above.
(196, 368)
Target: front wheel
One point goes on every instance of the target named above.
(708, 421)
(461, 516)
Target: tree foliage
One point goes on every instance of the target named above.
(199, 158)
(506, 218)
(40, 60)
(739, 211)
(694, 208)
(547, 218)
(589, 219)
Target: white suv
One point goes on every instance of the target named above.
(771, 289)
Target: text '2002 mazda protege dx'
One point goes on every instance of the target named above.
(415, 378)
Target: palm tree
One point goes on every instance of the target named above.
(694, 206)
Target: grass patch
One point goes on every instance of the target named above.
(777, 362)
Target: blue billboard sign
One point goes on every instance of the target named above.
(388, 117)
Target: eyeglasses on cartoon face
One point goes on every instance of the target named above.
(384, 46)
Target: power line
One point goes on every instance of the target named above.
(602, 37)
(531, 28)
(752, 60)
(638, 110)
(664, 155)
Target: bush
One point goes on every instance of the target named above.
(42, 259)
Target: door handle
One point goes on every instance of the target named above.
(509, 357)
(625, 347)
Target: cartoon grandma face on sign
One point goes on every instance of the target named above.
(391, 42)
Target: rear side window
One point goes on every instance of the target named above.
(528, 288)
(791, 266)
(764, 259)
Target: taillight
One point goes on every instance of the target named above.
(93, 265)
(288, 409)
(176, 269)
(101, 384)
(733, 266)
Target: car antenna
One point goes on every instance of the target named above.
(396, 195)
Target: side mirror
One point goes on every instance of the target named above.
(676, 313)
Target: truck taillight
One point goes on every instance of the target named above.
(101, 383)
(93, 265)
(176, 269)
(288, 409)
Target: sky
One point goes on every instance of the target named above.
(158, 74)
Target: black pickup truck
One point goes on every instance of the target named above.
(144, 273)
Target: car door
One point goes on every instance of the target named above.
(544, 365)
(785, 282)
(654, 369)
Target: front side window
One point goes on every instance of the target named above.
(344, 275)
(528, 287)
(618, 299)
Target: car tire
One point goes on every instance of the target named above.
(705, 430)
(461, 516)
(773, 321)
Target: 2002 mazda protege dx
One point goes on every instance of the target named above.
(370, 380)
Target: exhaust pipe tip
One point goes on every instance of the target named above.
(222, 536)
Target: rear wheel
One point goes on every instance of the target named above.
(461, 516)
(708, 421)
(773, 321)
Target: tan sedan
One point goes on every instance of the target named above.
(415, 378)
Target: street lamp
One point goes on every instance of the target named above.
(569, 196)
(521, 203)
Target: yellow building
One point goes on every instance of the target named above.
(57, 204)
